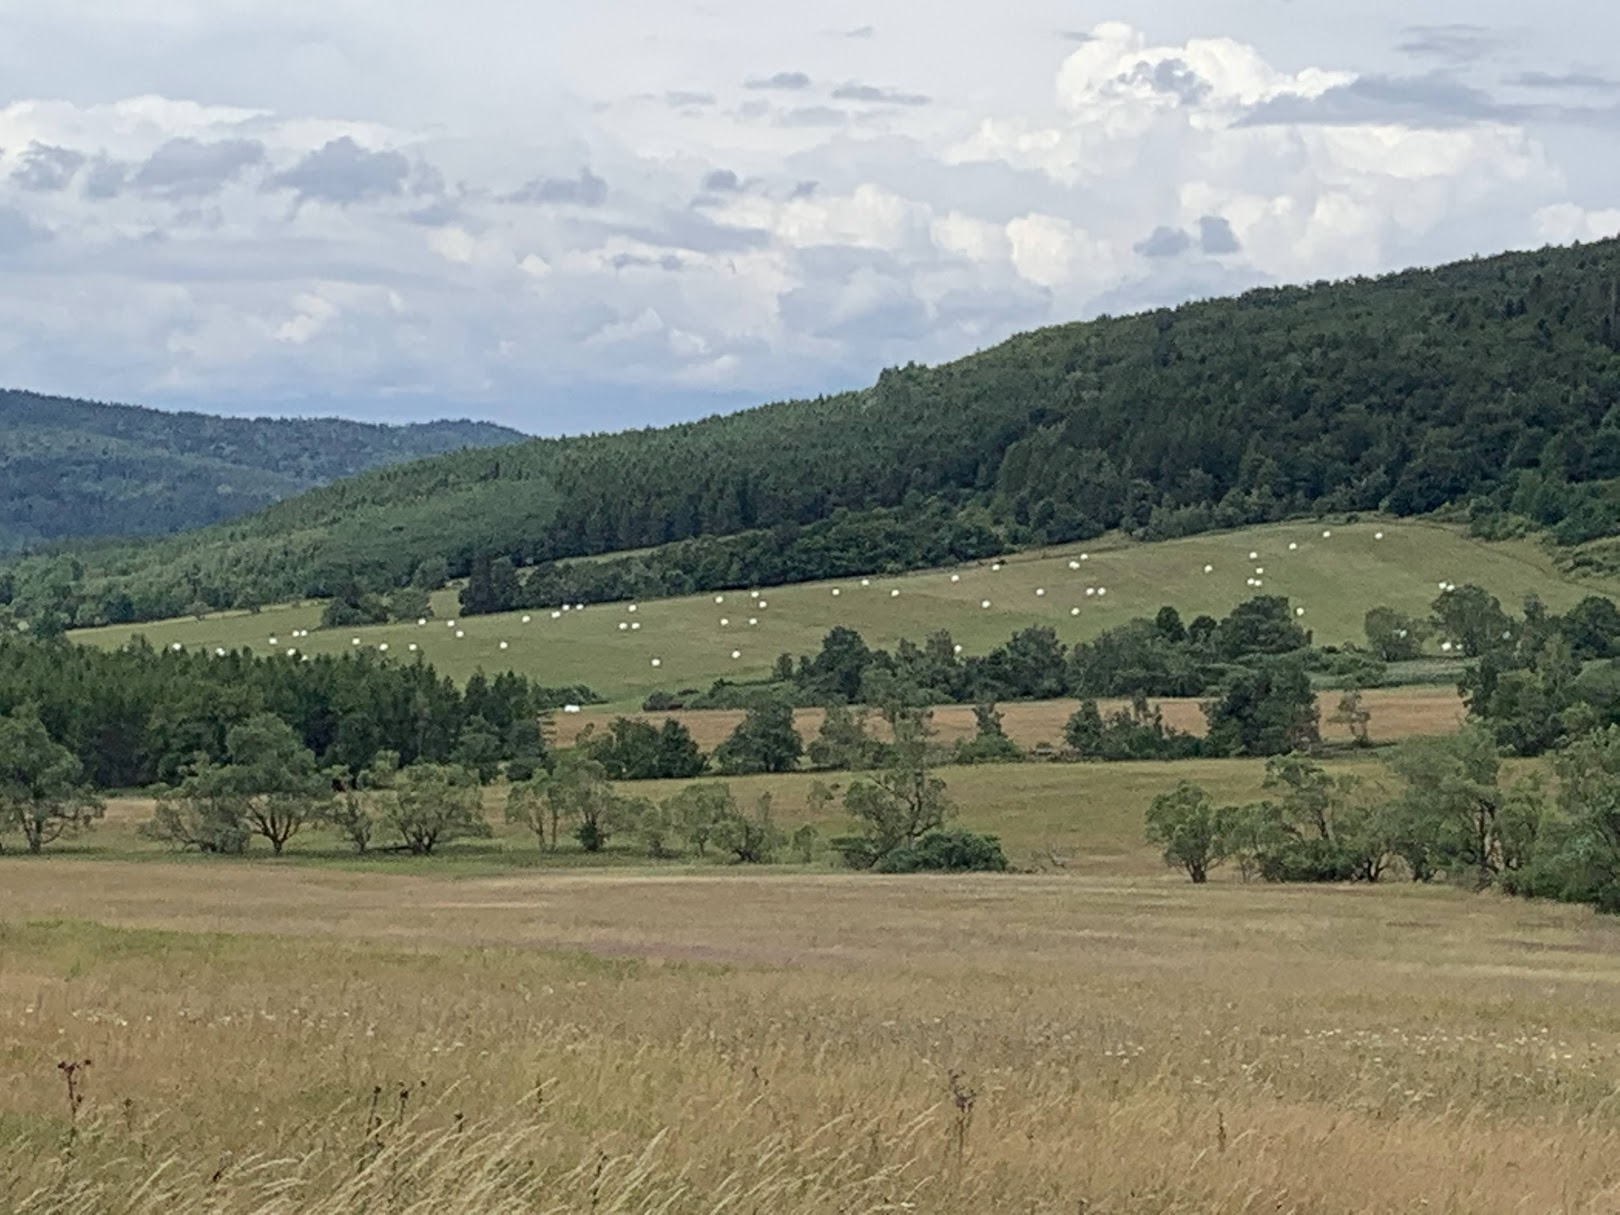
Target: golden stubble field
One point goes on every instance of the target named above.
(1397, 714)
(281, 1038)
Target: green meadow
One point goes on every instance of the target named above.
(1335, 579)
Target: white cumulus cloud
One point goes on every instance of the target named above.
(731, 205)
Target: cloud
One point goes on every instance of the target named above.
(343, 172)
(105, 179)
(1585, 81)
(1215, 236)
(1172, 77)
(437, 214)
(834, 229)
(586, 190)
(1164, 242)
(1458, 43)
(783, 81)
(685, 229)
(47, 168)
(722, 181)
(1414, 101)
(813, 116)
(854, 91)
(18, 232)
(193, 168)
(861, 32)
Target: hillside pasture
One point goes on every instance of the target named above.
(1334, 579)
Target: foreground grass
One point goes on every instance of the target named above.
(277, 1039)
(1336, 580)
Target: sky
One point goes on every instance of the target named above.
(574, 217)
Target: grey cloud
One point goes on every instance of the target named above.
(1076, 36)
(690, 230)
(586, 190)
(105, 179)
(855, 91)
(1164, 242)
(1565, 80)
(627, 261)
(1420, 101)
(1458, 42)
(436, 214)
(343, 172)
(820, 307)
(805, 189)
(993, 311)
(426, 181)
(990, 190)
(813, 116)
(864, 31)
(46, 168)
(682, 99)
(1170, 284)
(17, 231)
(1215, 236)
(189, 168)
(786, 81)
(1170, 76)
(722, 181)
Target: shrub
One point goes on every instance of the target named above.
(946, 852)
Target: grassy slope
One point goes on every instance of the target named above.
(1336, 580)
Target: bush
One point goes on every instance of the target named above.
(1135, 733)
(856, 851)
(946, 852)
(523, 767)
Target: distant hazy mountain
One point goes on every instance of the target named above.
(79, 468)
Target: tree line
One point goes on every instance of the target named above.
(920, 535)
(1489, 386)
(1452, 814)
(139, 716)
(268, 785)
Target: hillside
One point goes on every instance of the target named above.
(73, 468)
(1335, 579)
(1493, 382)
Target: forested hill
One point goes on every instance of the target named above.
(79, 468)
(1494, 382)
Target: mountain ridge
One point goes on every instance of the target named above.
(71, 468)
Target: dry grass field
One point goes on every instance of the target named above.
(1397, 713)
(277, 1039)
